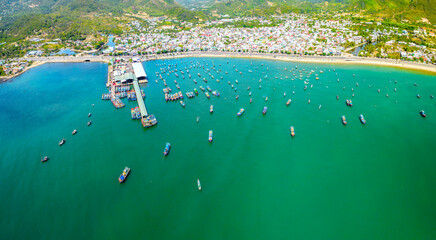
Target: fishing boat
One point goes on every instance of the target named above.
(198, 184)
(207, 94)
(74, 131)
(133, 113)
(44, 159)
(292, 131)
(211, 109)
(195, 91)
(182, 103)
(422, 113)
(264, 110)
(62, 142)
(418, 96)
(251, 100)
(124, 175)
(167, 149)
(249, 94)
(362, 119)
(266, 99)
(241, 111)
(89, 123)
(210, 135)
(288, 102)
(237, 97)
(198, 119)
(89, 114)
(349, 103)
(344, 121)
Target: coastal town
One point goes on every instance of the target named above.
(292, 34)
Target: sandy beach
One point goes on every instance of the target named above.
(421, 67)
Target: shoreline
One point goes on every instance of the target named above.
(420, 67)
(414, 66)
(37, 63)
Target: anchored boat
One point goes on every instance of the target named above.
(124, 175)
(264, 110)
(62, 142)
(45, 159)
(210, 135)
(198, 184)
(74, 131)
(423, 113)
(167, 149)
(344, 121)
(288, 102)
(211, 109)
(241, 111)
(362, 119)
(292, 131)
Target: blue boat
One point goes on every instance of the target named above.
(264, 110)
(167, 149)
(124, 175)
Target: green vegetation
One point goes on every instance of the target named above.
(2, 72)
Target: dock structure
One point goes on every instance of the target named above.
(146, 120)
(139, 99)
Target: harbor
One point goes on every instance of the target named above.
(122, 76)
(252, 163)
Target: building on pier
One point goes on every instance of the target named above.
(139, 71)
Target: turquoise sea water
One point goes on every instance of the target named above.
(373, 181)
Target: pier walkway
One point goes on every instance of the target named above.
(139, 99)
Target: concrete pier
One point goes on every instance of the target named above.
(139, 99)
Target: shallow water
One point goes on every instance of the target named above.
(373, 181)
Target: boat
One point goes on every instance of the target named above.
(266, 99)
(211, 109)
(349, 103)
(210, 135)
(237, 97)
(422, 113)
(74, 131)
(417, 95)
(288, 102)
(124, 175)
(251, 100)
(292, 131)
(148, 121)
(362, 119)
(167, 149)
(207, 94)
(44, 159)
(198, 184)
(344, 121)
(89, 114)
(241, 111)
(198, 119)
(264, 110)
(62, 142)
(133, 113)
(182, 103)
(89, 123)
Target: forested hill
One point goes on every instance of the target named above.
(413, 10)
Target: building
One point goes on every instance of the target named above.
(139, 71)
